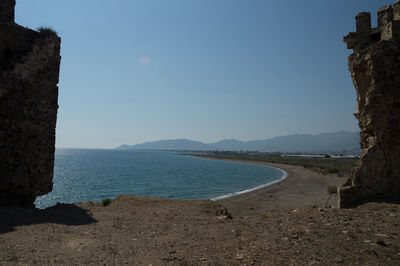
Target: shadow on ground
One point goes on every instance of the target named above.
(66, 214)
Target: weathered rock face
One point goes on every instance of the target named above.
(375, 69)
(29, 70)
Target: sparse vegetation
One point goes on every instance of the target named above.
(333, 171)
(47, 31)
(225, 212)
(324, 165)
(106, 202)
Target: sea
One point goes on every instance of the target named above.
(94, 174)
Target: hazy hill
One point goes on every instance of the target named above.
(336, 141)
(171, 144)
(306, 142)
(231, 145)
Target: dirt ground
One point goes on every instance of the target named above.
(151, 231)
(301, 188)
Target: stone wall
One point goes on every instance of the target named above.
(29, 71)
(375, 70)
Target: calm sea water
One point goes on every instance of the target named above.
(93, 175)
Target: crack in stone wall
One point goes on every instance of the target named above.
(375, 70)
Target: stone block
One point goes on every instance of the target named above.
(385, 15)
(396, 11)
(351, 40)
(391, 31)
(363, 22)
(7, 8)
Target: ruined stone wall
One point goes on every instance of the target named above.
(29, 71)
(375, 70)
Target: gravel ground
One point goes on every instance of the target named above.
(144, 231)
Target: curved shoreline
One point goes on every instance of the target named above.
(302, 187)
(233, 194)
(237, 193)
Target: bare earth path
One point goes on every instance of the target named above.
(144, 231)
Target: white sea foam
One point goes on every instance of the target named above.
(284, 176)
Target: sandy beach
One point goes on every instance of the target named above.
(301, 188)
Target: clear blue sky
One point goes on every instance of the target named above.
(135, 71)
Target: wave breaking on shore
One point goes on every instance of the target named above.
(229, 195)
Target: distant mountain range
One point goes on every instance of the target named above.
(336, 141)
